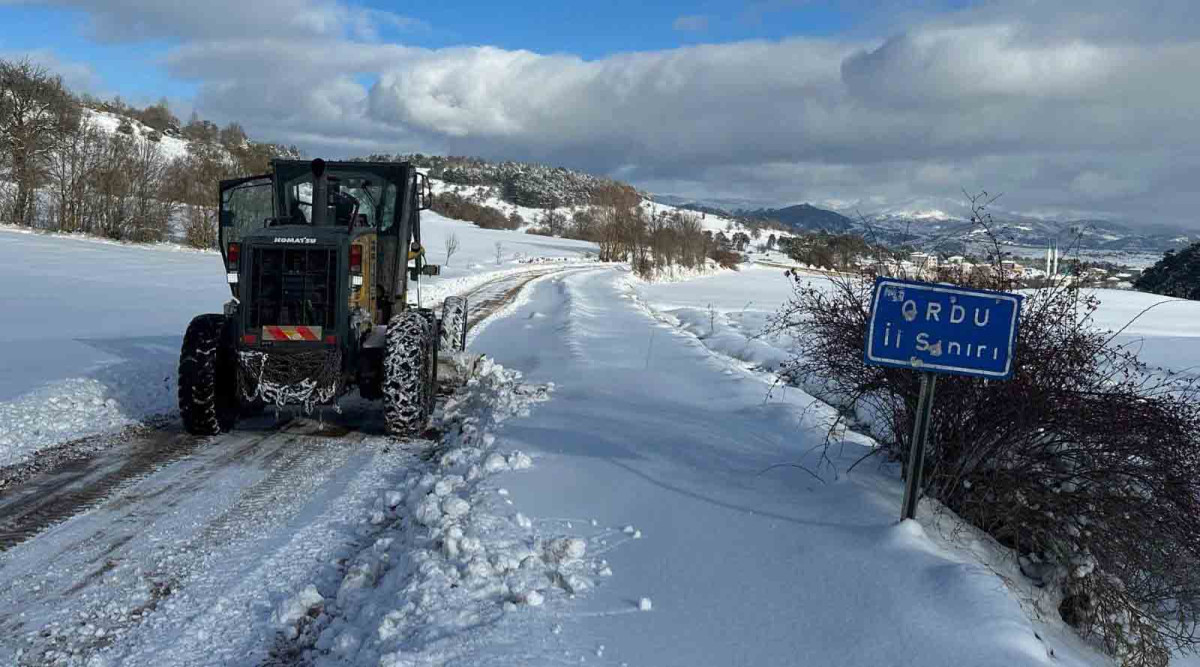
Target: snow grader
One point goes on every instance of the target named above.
(322, 259)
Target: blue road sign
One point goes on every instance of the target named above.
(942, 329)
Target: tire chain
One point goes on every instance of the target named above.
(199, 378)
(454, 323)
(405, 373)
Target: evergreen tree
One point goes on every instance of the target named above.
(1177, 274)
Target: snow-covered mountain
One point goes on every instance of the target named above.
(941, 229)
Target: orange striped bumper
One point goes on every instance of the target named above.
(312, 334)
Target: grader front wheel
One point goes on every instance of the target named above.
(408, 357)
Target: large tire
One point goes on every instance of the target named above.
(454, 324)
(431, 369)
(208, 402)
(406, 360)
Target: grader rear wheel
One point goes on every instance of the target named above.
(208, 402)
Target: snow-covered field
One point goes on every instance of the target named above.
(92, 334)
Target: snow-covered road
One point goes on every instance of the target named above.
(745, 565)
(156, 547)
(182, 566)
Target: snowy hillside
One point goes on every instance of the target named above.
(488, 196)
(170, 147)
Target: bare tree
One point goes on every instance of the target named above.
(150, 211)
(190, 185)
(554, 220)
(451, 246)
(36, 113)
(72, 169)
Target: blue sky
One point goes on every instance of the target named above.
(588, 29)
(1072, 108)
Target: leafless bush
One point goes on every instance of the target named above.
(451, 246)
(727, 259)
(1086, 463)
(200, 226)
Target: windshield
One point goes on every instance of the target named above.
(246, 206)
(358, 200)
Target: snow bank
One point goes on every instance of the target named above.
(727, 311)
(731, 329)
(452, 557)
(92, 334)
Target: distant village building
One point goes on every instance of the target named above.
(1011, 269)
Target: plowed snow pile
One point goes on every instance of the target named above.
(453, 558)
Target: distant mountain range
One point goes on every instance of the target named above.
(956, 234)
(936, 230)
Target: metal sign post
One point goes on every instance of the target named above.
(916, 456)
(933, 329)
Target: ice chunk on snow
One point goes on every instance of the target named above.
(393, 498)
(644, 604)
(428, 512)
(519, 461)
(628, 530)
(455, 507)
(523, 521)
(564, 549)
(296, 607)
(495, 463)
(532, 598)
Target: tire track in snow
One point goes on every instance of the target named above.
(146, 566)
(55, 497)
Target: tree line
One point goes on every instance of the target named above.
(1177, 274)
(60, 172)
(652, 243)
